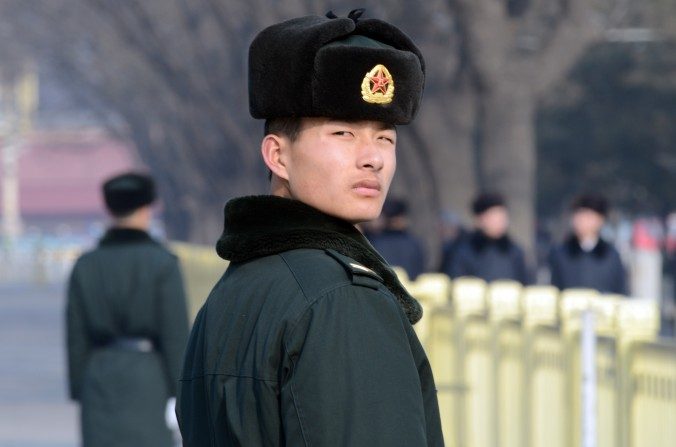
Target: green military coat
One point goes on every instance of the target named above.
(305, 341)
(129, 286)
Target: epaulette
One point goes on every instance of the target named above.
(361, 275)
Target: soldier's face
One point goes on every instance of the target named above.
(587, 223)
(494, 222)
(341, 168)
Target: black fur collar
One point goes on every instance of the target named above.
(575, 249)
(116, 236)
(480, 241)
(266, 225)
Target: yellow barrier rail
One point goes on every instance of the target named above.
(201, 268)
(507, 364)
(650, 390)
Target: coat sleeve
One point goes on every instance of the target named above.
(418, 258)
(77, 339)
(350, 376)
(619, 275)
(523, 275)
(192, 400)
(458, 264)
(555, 269)
(446, 256)
(173, 322)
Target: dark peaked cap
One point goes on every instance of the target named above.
(126, 192)
(316, 67)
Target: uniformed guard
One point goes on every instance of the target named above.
(127, 325)
(395, 242)
(585, 259)
(488, 252)
(307, 338)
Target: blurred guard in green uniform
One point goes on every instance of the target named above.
(307, 338)
(127, 325)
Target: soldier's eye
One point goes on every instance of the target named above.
(342, 133)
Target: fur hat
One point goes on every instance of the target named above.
(127, 192)
(485, 201)
(594, 202)
(335, 67)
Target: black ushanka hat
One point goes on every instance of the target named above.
(127, 192)
(590, 201)
(335, 67)
(486, 201)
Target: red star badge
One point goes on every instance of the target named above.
(377, 87)
(380, 82)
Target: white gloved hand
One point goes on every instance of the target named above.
(170, 414)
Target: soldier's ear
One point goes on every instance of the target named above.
(275, 155)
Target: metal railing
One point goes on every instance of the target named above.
(507, 363)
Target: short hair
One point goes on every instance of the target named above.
(289, 127)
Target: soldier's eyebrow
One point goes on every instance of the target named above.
(380, 124)
(387, 126)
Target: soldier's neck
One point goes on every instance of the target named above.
(138, 220)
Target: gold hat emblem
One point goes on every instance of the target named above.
(378, 86)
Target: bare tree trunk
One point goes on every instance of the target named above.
(508, 155)
(449, 127)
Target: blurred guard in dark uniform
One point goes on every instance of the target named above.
(395, 242)
(452, 233)
(585, 260)
(127, 325)
(488, 252)
(307, 338)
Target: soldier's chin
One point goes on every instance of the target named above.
(355, 211)
(365, 215)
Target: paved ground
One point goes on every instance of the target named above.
(34, 409)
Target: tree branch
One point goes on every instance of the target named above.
(570, 39)
(486, 37)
